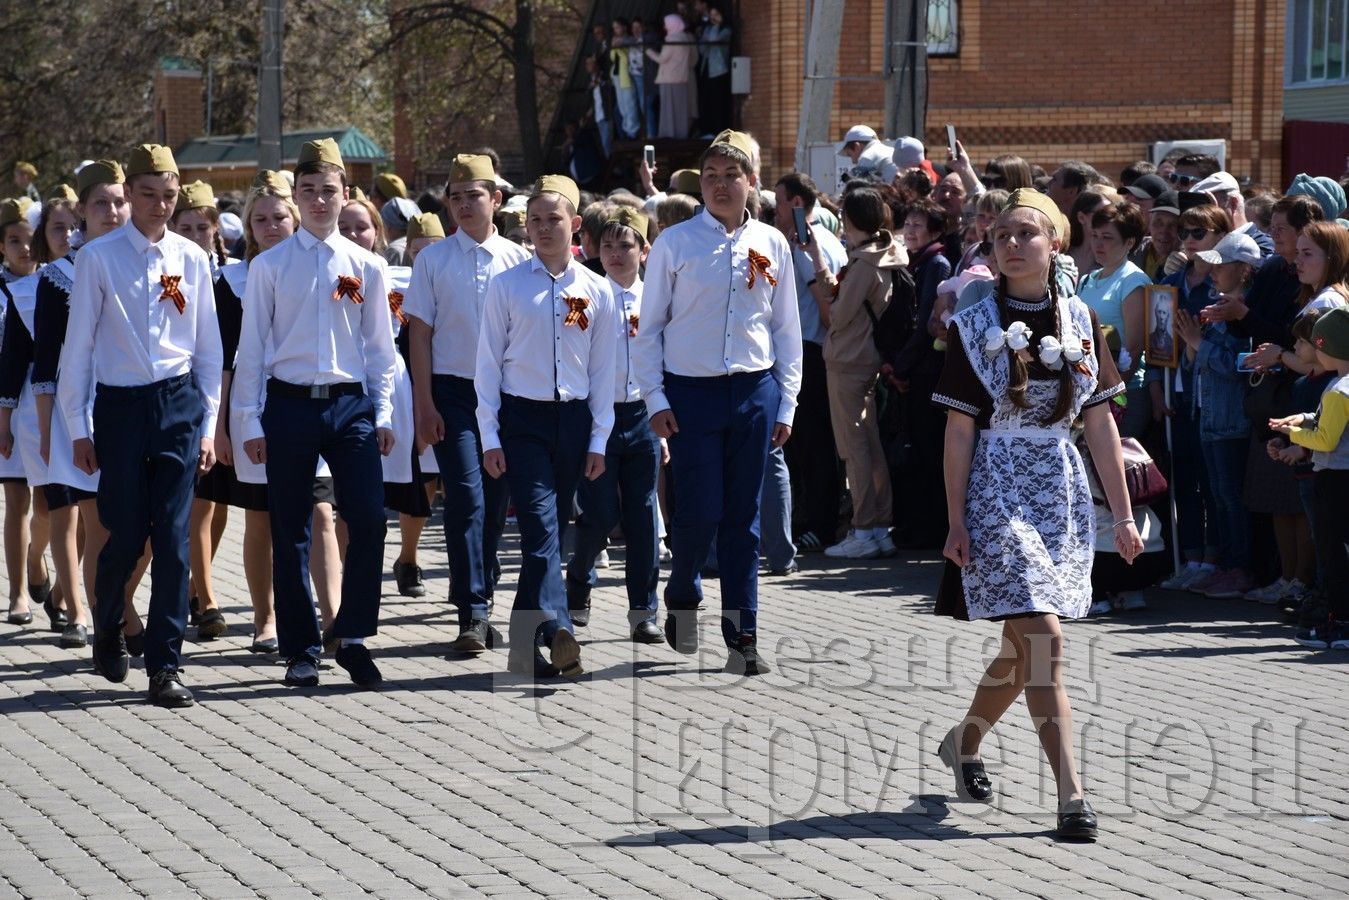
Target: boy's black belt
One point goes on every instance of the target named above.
(278, 388)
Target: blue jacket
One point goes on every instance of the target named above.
(1221, 397)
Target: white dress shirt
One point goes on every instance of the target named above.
(317, 340)
(701, 318)
(448, 289)
(121, 330)
(628, 301)
(526, 349)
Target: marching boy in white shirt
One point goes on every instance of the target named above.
(142, 316)
(718, 358)
(328, 392)
(545, 383)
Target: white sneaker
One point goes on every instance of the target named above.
(1270, 593)
(1292, 595)
(885, 544)
(602, 561)
(1188, 575)
(1100, 608)
(1132, 600)
(854, 546)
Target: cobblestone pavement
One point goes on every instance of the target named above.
(1213, 749)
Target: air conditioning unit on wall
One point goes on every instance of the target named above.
(1216, 147)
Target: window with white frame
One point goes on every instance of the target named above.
(1317, 38)
(943, 32)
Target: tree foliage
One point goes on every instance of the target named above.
(76, 78)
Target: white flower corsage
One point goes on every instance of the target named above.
(1016, 337)
(1053, 354)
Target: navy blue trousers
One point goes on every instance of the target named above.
(149, 438)
(475, 507)
(626, 493)
(545, 446)
(342, 431)
(719, 455)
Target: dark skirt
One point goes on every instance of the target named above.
(221, 485)
(409, 498)
(59, 496)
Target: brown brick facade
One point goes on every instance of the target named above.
(1050, 81)
(180, 109)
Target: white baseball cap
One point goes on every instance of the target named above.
(864, 133)
(1234, 247)
(1218, 182)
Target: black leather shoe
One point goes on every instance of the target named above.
(475, 638)
(211, 624)
(408, 577)
(193, 611)
(743, 659)
(790, 569)
(110, 657)
(263, 645)
(647, 633)
(302, 672)
(1077, 821)
(536, 668)
(74, 637)
(56, 616)
(681, 630)
(566, 654)
(329, 640)
(578, 604)
(972, 782)
(166, 690)
(20, 618)
(355, 658)
(135, 643)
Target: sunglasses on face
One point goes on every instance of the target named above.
(1197, 233)
(1177, 178)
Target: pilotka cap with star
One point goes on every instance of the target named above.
(472, 167)
(273, 181)
(104, 171)
(323, 150)
(737, 139)
(560, 185)
(197, 195)
(151, 159)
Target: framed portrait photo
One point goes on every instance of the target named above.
(1162, 346)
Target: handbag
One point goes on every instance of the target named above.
(1143, 479)
(1270, 397)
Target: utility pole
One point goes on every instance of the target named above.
(821, 71)
(906, 68)
(269, 85)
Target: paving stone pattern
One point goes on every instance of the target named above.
(1213, 748)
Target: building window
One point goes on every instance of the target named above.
(1317, 38)
(943, 32)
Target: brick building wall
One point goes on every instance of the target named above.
(180, 109)
(1049, 81)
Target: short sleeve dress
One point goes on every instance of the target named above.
(1028, 507)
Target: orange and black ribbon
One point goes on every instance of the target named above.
(759, 265)
(632, 324)
(396, 306)
(1081, 365)
(170, 285)
(348, 286)
(576, 312)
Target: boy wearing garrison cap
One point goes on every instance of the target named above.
(146, 294)
(327, 391)
(718, 359)
(545, 383)
(626, 491)
(444, 306)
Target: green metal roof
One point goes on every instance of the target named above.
(238, 149)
